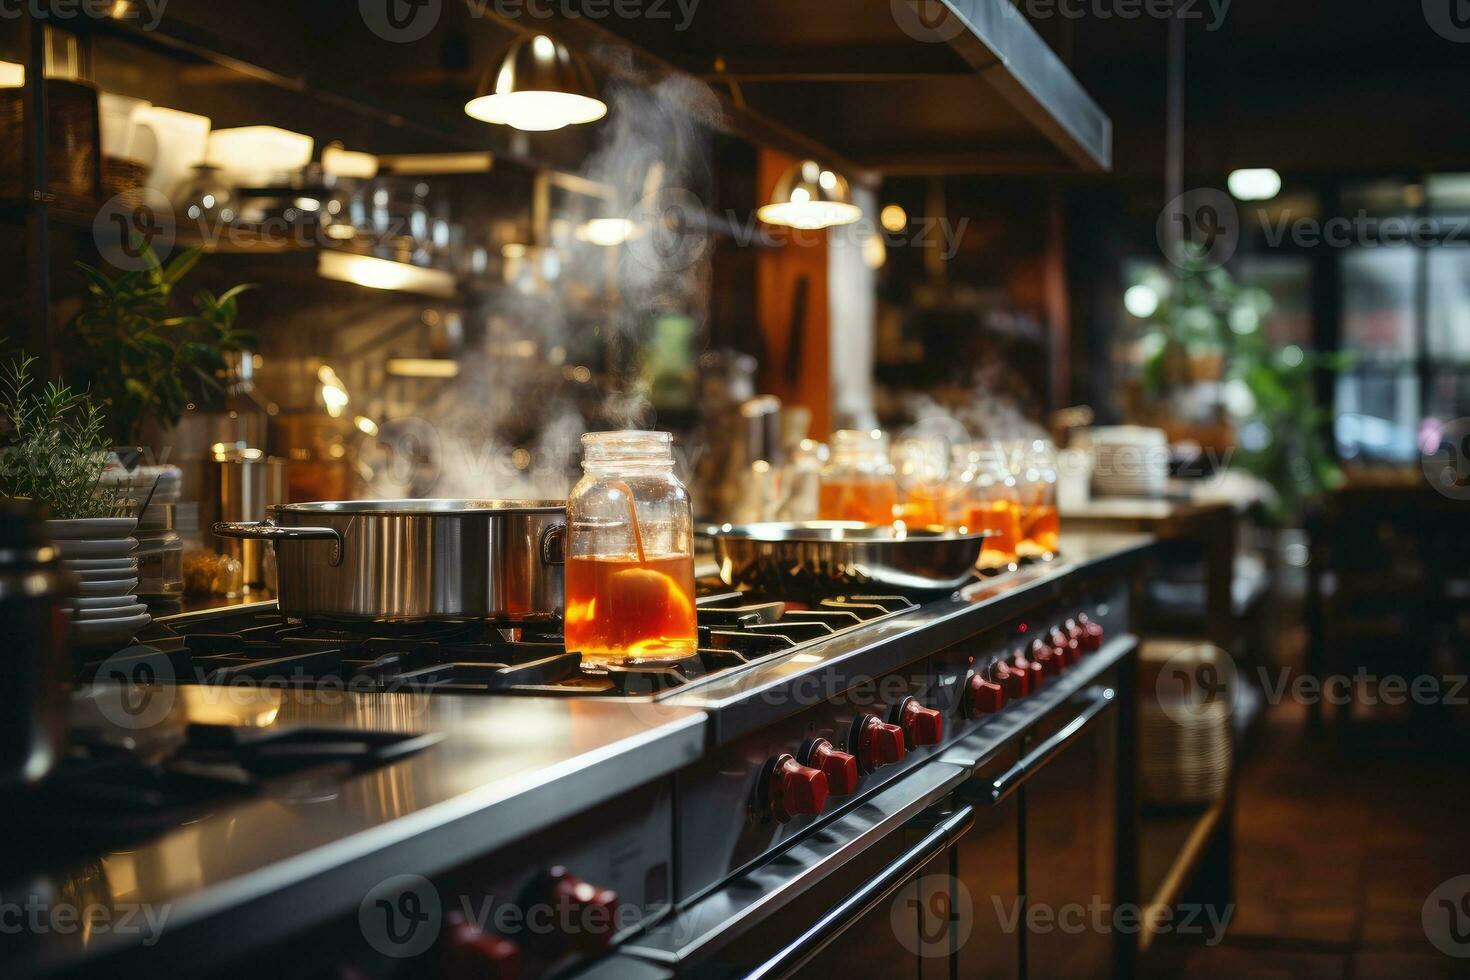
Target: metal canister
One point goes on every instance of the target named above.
(243, 485)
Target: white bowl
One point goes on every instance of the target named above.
(109, 587)
(112, 548)
(91, 529)
(102, 631)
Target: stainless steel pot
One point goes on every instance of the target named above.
(416, 560)
(816, 557)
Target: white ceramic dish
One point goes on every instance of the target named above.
(102, 601)
(97, 564)
(106, 574)
(117, 586)
(113, 612)
(91, 529)
(112, 548)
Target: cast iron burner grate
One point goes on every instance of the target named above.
(475, 658)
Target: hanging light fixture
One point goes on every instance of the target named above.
(809, 196)
(539, 86)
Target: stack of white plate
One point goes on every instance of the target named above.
(1129, 461)
(99, 552)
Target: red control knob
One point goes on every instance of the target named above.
(1032, 670)
(877, 743)
(983, 697)
(841, 768)
(1065, 651)
(794, 789)
(473, 954)
(592, 910)
(921, 725)
(1016, 683)
(1052, 660)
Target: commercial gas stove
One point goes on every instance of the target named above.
(466, 801)
(259, 645)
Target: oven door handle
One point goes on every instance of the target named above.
(1102, 698)
(836, 920)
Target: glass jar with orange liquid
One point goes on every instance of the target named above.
(630, 554)
(926, 481)
(1036, 482)
(990, 500)
(858, 483)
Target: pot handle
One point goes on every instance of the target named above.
(266, 531)
(554, 545)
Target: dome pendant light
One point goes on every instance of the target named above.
(540, 86)
(810, 197)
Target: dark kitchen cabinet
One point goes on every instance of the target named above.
(1040, 866)
(988, 870)
(1070, 811)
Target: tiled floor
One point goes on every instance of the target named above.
(1339, 844)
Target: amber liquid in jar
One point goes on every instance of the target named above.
(927, 506)
(1002, 517)
(621, 610)
(870, 501)
(1041, 528)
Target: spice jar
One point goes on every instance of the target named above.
(630, 554)
(992, 503)
(858, 482)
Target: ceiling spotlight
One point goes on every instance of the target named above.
(809, 196)
(540, 86)
(1260, 184)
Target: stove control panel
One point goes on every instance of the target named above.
(999, 668)
(830, 751)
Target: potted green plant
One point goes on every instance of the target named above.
(1207, 326)
(57, 446)
(56, 452)
(145, 361)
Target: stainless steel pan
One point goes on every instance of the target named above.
(416, 560)
(831, 556)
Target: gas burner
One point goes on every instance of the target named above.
(474, 658)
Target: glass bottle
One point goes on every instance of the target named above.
(630, 557)
(1036, 477)
(858, 482)
(992, 503)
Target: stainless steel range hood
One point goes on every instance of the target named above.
(895, 86)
